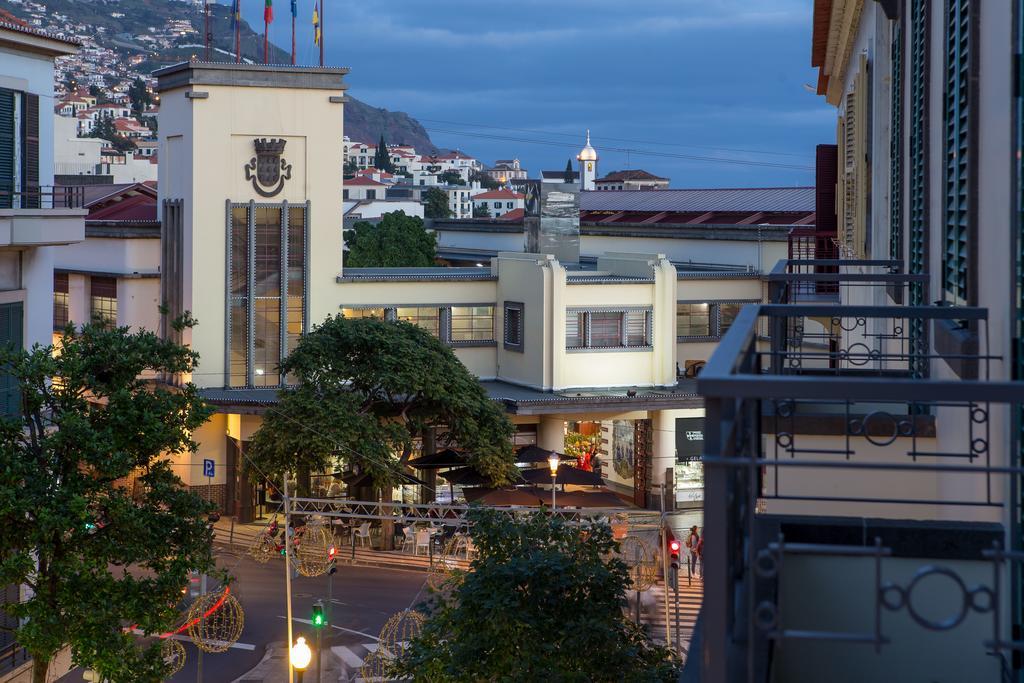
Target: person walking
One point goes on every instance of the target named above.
(692, 543)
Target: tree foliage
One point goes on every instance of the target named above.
(397, 241)
(540, 604)
(570, 176)
(366, 388)
(435, 203)
(451, 177)
(139, 96)
(382, 157)
(97, 555)
(481, 211)
(486, 181)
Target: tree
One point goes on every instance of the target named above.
(104, 128)
(366, 388)
(139, 96)
(351, 168)
(570, 176)
(541, 603)
(451, 177)
(382, 157)
(481, 211)
(435, 203)
(397, 241)
(96, 553)
(486, 181)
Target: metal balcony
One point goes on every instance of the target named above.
(840, 459)
(42, 216)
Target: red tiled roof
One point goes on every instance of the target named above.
(513, 215)
(364, 181)
(22, 27)
(499, 194)
(636, 174)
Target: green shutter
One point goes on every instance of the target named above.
(11, 316)
(918, 146)
(31, 199)
(957, 222)
(896, 148)
(6, 147)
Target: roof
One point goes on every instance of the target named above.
(788, 199)
(414, 274)
(65, 46)
(499, 194)
(121, 202)
(526, 401)
(513, 215)
(364, 181)
(559, 175)
(634, 174)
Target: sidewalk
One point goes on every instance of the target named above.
(273, 668)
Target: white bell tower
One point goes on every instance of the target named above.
(588, 165)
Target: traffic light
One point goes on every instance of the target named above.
(673, 568)
(319, 620)
(332, 557)
(674, 547)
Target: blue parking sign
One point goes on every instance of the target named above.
(207, 468)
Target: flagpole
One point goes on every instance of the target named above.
(293, 46)
(266, 29)
(321, 32)
(206, 30)
(238, 31)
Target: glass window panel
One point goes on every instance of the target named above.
(266, 342)
(267, 253)
(472, 323)
(60, 310)
(239, 341)
(427, 317)
(727, 314)
(636, 328)
(363, 313)
(239, 251)
(605, 329)
(296, 250)
(693, 320)
(575, 326)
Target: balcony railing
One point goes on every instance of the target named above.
(840, 280)
(43, 197)
(838, 418)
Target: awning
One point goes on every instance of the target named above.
(533, 454)
(521, 496)
(440, 460)
(566, 475)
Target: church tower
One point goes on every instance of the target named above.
(588, 165)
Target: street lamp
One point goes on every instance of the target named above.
(553, 464)
(300, 655)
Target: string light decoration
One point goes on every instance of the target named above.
(445, 573)
(264, 546)
(173, 653)
(215, 621)
(398, 632)
(312, 554)
(641, 560)
(374, 668)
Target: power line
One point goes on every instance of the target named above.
(627, 150)
(576, 136)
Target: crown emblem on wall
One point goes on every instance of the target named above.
(271, 170)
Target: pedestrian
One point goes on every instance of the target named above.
(700, 554)
(692, 543)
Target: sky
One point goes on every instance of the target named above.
(657, 82)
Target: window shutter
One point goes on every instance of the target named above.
(918, 128)
(10, 334)
(6, 147)
(30, 152)
(896, 146)
(849, 172)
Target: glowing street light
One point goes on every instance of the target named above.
(300, 656)
(553, 464)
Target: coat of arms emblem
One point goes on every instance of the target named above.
(270, 169)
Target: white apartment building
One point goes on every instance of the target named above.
(496, 203)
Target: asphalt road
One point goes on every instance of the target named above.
(363, 599)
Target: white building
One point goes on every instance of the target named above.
(497, 202)
(588, 165)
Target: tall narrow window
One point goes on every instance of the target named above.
(896, 146)
(958, 214)
(513, 326)
(638, 328)
(267, 297)
(575, 329)
(60, 301)
(103, 300)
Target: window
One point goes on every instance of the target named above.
(508, 205)
(513, 326)
(103, 300)
(471, 324)
(607, 329)
(427, 317)
(371, 194)
(363, 313)
(958, 217)
(497, 205)
(726, 316)
(60, 301)
(693, 320)
(267, 297)
(344, 194)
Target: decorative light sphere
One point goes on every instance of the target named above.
(215, 621)
(300, 654)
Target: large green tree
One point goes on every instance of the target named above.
(365, 390)
(541, 603)
(97, 554)
(451, 177)
(435, 203)
(397, 241)
(382, 157)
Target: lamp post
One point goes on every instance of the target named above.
(300, 655)
(553, 464)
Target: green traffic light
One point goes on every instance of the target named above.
(318, 620)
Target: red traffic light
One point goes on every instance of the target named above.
(674, 545)
(331, 552)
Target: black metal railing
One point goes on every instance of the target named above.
(837, 416)
(810, 280)
(43, 197)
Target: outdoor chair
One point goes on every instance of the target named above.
(362, 534)
(408, 539)
(422, 541)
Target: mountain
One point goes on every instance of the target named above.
(123, 39)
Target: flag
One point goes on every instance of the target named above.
(316, 26)
(268, 12)
(236, 13)
(295, 8)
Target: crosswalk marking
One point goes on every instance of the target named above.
(347, 656)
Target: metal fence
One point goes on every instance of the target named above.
(43, 197)
(837, 410)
